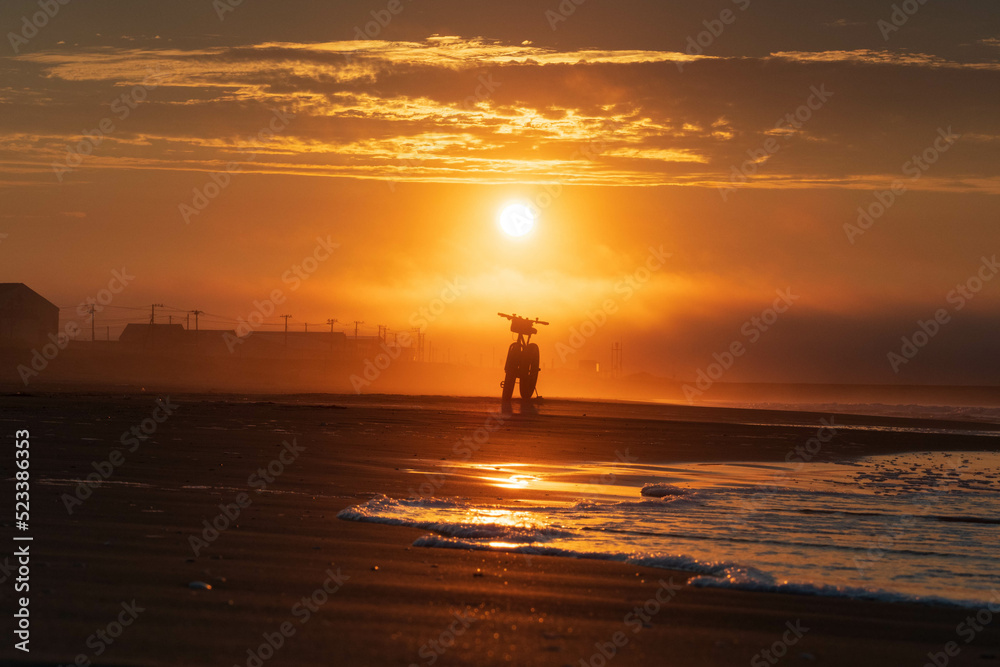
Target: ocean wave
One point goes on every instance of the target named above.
(824, 532)
(749, 579)
(678, 562)
(471, 522)
(658, 490)
(708, 574)
(653, 504)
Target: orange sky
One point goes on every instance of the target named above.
(401, 150)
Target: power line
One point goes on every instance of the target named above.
(103, 306)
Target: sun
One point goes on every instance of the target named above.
(517, 220)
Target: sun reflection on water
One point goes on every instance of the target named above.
(744, 523)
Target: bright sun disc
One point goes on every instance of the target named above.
(517, 220)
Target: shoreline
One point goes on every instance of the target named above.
(131, 541)
(299, 376)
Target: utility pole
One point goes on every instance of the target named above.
(331, 322)
(196, 313)
(92, 311)
(357, 351)
(286, 327)
(152, 313)
(419, 338)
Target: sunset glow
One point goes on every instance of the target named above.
(538, 165)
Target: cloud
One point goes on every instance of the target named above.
(882, 57)
(454, 109)
(843, 23)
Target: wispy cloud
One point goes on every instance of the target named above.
(455, 109)
(882, 57)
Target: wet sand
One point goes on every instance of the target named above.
(394, 603)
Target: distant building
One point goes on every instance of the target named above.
(153, 338)
(315, 344)
(175, 339)
(369, 347)
(152, 335)
(209, 341)
(26, 317)
(589, 366)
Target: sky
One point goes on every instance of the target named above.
(812, 185)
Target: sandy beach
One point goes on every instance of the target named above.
(132, 542)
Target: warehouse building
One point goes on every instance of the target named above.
(26, 318)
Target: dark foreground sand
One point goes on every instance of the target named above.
(131, 542)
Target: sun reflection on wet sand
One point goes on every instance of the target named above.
(811, 527)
